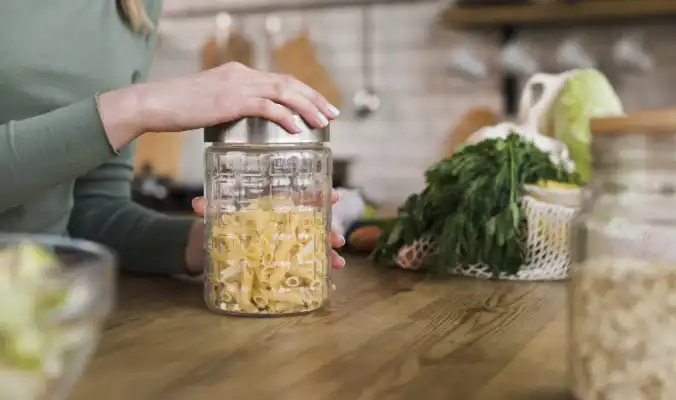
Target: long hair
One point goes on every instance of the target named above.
(136, 16)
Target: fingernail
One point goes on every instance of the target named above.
(299, 126)
(341, 241)
(341, 261)
(323, 121)
(194, 201)
(333, 110)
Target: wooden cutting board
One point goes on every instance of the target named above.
(162, 151)
(297, 57)
(236, 48)
(475, 119)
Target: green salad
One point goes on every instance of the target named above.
(33, 347)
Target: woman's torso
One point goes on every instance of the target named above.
(55, 53)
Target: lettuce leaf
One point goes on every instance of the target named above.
(586, 94)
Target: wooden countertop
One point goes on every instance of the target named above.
(388, 335)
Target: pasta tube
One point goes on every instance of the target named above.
(268, 258)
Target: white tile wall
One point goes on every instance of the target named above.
(421, 98)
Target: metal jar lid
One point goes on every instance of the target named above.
(261, 131)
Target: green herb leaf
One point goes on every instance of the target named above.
(472, 206)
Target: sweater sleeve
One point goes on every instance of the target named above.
(38, 153)
(146, 241)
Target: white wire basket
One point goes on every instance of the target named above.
(548, 256)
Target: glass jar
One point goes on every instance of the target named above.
(268, 219)
(622, 294)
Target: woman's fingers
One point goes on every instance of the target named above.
(337, 262)
(285, 94)
(198, 205)
(320, 102)
(314, 96)
(337, 240)
(268, 109)
(282, 86)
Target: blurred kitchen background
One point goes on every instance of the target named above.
(428, 63)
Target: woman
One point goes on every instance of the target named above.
(66, 153)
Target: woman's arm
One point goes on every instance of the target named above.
(146, 241)
(38, 153)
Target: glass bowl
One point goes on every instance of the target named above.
(55, 294)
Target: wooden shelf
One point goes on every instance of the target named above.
(586, 11)
(208, 8)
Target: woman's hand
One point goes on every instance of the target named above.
(195, 249)
(208, 98)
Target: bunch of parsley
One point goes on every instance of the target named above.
(472, 206)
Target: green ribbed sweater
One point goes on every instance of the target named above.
(58, 173)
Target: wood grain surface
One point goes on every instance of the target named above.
(388, 335)
(162, 151)
(297, 57)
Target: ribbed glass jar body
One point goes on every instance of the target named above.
(268, 219)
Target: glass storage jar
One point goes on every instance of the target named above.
(267, 219)
(622, 294)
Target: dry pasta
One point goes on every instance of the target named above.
(269, 258)
(622, 325)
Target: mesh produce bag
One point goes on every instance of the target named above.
(548, 246)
